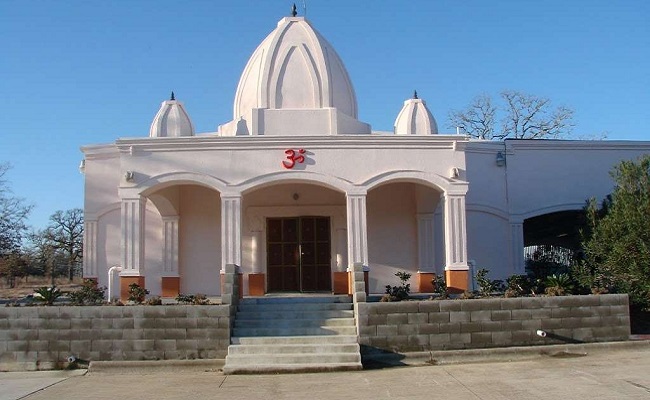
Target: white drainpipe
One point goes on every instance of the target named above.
(111, 278)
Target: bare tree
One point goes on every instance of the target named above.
(65, 233)
(523, 116)
(13, 216)
(477, 120)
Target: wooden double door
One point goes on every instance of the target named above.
(298, 253)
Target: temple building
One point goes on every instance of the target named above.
(296, 191)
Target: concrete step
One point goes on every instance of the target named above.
(302, 307)
(248, 315)
(322, 330)
(264, 350)
(305, 340)
(296, 299)
(292, 323)
(233, 360)
(290, 368)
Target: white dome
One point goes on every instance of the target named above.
(415, 119)
(171, 120)
(294, 68)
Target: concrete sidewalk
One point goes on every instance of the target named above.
(621, 373)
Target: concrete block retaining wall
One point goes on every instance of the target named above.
(44, 337)
(480, 323)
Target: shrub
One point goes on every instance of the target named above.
(440, 286)
(47, 295)
(518, 285)
(197, 299)
(154, 301)
(88, 294)
(137, 293)
(559, 285)
(486, 286)
(401, 292)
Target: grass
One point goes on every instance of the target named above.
(26, 286)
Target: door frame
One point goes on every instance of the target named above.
(255, 220)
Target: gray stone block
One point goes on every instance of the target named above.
(217, 311)
(590, 322)
(111, 312)
(197, 334)
(98, 323)
(584, 334)
(48, 312)
(619, 310)
(143, 345)
(469, 327)
(541, 313)
(440, 317)
(482, 315)
(164, 345)
(428, 306)
(123, 323)
(531, 302)
(418, 342)
(185, 323)
(155, 312)
(439, 340)
(522, 337)
(523, 314)
(408, 306)
(583, 312)
(80, 323)
(78, 347)
(511, 303)
(451, 327)
(563, 312)
(491, 326)
(472, 305)
(58, 345)
(187, 344)
(551, 323)
(428, 329)
(387, 308)
(396, 319)
(501, 315)
(112, 334)
(17, 346)
(368, 331)
(450, 305)
(479, 338)
(501, 338)
(379, 341)
(176, 311)
(535, 324)
(175, 333)
(460, 338)
(39, 345)
(207, 323)
(101, 345)
(90, 312)
(459, 316)
(70, 312)
(386, 330)
(406, 329)
(376, 319)
(133, 334)
(165, 323)
(419, 318)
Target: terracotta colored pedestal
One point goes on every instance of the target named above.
(125, 281)
(256, 284)
(340, 285)
(171, 286)
(457, 281)
(424, 284)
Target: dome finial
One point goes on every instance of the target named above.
(294, 10)
(415, 94)
(172, 97)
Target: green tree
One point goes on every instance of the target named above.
(617, 241)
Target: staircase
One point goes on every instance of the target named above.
(293, 334)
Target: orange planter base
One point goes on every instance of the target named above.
(171, 286)
(457, 281)
(424, 284)
(125, 281)
(256, 284)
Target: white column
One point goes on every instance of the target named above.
(230, 230)
(341, 250)
(90, 249)
(357, 230)
(517, 260)
(426, 244)
(256, 252)
(455, 232)
(170, 245)
(132, 245)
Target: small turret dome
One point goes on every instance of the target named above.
(171, 120)
(415, 118)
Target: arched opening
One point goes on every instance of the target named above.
(552, 241)
(183, 240)
(404, 233)
(293, 237)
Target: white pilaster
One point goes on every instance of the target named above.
(341, 250)
(90, 249)
(426, 244)
(170, 245)
(455, 233)
(256, 252)
(132, 245)
(517, 260)
(230, 230)
(357, 229)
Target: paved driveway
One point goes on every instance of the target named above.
(616, 374)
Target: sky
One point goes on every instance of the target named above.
(80, 72)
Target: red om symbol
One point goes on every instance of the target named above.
(293, 158)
